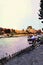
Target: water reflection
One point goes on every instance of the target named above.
(12, 45)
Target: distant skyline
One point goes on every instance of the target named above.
(19, 14)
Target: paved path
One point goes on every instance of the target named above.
(34, 57)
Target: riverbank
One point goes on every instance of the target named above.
(14, 55)
(35, 57)
(28, 56)
(7, 59)
(18, 35)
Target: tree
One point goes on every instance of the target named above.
(1, 31)
(7, 31)
(22, 29)
(38, 31)
(41, 11)
(13, 30)
(28, 32)
(29, 27)
(42, 28)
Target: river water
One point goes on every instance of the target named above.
(12, 45)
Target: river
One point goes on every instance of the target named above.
(12, 45)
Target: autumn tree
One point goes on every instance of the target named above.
(29, 27)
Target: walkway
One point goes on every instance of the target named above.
(34, 57)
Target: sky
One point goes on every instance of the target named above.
(19, 14)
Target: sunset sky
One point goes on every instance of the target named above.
(18, 14)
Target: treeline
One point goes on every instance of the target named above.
(29, 30)
(5, 31)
